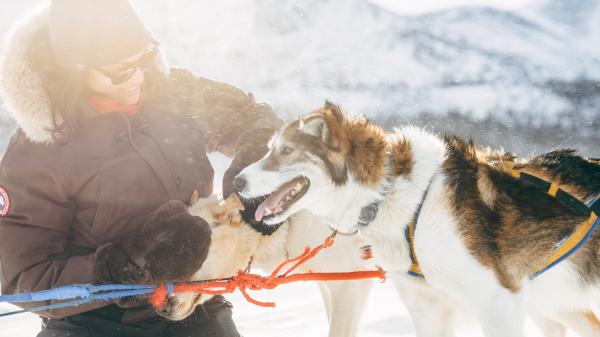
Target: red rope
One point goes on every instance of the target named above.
(246, 281)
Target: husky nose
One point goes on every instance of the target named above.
(239, 183)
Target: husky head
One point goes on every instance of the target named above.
(232, 244)
(311, 161)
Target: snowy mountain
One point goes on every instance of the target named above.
(532, 70)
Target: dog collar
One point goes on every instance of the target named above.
(369, 213)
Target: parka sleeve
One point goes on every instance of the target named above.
(34, 230)
(228, 117)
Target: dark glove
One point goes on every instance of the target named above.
(171, 245)
(251, 147)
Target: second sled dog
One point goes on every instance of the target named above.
(235, 243)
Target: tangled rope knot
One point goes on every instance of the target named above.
(245, 281)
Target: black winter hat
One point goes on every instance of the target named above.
(94, 33)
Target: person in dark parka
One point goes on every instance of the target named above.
(111, 143)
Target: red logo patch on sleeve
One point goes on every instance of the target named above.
(4, 202)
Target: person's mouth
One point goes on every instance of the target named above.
(131, 90)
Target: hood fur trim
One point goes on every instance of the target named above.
(21, 89)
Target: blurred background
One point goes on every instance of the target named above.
(522, 74)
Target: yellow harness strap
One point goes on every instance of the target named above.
(571, 243)
(414, 269)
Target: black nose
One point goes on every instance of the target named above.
(167, 309)
(239, 183)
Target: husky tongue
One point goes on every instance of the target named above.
(272, 203)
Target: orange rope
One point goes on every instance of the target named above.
(244, 280)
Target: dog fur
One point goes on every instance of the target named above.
(235, 243)
(480, 232)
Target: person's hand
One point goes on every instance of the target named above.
(171, 245)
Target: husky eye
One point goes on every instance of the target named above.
(286, 150)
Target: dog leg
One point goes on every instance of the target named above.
(326, 298)
(550, 327)
(584, 323)
(502, 313)
(430, 313)
(348, 299)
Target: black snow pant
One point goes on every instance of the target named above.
(213, 319)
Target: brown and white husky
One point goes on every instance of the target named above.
(234, 243)
(479, 233)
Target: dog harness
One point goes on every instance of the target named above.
(562, 250)
(409, 233)
(582, 232)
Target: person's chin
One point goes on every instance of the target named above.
(130, 97)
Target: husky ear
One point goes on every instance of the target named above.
(315, 125)
(335, 111)
(233, 202)
(325, 124)
(232, 207)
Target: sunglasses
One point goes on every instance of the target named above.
(129, 69)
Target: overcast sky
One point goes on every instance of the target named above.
(411, 7)
(12, 9)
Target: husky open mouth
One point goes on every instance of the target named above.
(282, 198)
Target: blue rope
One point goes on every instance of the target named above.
(82, 293)
(47, 307)
(73, 291)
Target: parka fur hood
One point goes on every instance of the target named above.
(22, 89)
(21, 84)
